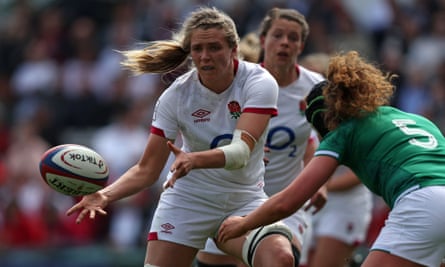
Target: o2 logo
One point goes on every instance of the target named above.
(220, 138)
(285, 133)
(288, 140)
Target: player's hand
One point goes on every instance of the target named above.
(182, 165)
(90, 204)
(318, 200)
(231, 227)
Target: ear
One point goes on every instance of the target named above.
(235, 52)
(262, 40)
(301, 48)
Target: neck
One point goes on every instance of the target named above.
(223, 81)
(284, 75)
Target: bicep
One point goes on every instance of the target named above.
(310, 150)
(254, 123)
(155, 155)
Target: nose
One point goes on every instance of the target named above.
(205, 54)
(284, 40)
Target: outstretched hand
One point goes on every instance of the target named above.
(231, 227)
(92, 204)
(180, 167)
(318, 200)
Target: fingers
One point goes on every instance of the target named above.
(266, 160)
(173, 148)
(73, 209)
(92, 214)
(221, 234)
(169, 183)
(81, 215)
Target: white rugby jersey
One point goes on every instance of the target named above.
(207, 120)
(289, 132)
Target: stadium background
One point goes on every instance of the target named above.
(60, 82)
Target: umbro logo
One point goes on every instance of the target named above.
(167, 227)
(201, 114)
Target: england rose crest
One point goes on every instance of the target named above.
(234, 109)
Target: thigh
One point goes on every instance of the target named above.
(218, 259)
(349, 226)
(168, 254)
(383, 259)
(185, 218)
(211, 254)
(331, 252)
(415, 229)
(272, 249)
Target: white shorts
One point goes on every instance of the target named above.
(299, 223)
(415, 228)
(346, 222)
(189, 217)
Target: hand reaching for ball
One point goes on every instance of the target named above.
(90, 204)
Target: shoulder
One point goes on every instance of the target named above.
(307, 79)
(251, 77)
(310, 75)
(251, 70)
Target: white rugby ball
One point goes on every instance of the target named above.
(74, 170)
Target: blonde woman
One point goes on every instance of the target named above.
(221, 109)
(290, 141)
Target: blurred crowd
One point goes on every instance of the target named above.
(61, 82)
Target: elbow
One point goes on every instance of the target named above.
(237, 153)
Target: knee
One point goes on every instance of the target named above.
(276, 254)
(284, 257)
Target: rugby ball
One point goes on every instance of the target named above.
(74, 170)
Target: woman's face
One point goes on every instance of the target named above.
(283, 43)
(212, 55)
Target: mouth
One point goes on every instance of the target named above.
(283, 54)
(207, 68)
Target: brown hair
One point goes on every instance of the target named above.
(166, 55)
(355, 88)
(284, 13)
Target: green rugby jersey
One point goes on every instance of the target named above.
(390, 151)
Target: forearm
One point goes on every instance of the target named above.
(294, 196)
(271, 211)
(130, 183)
(208, 159)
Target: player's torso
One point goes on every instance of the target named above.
(288, 133)
(206, 120)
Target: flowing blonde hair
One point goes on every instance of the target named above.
(163, 56)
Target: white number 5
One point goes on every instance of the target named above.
(402, 124)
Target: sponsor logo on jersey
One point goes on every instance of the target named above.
(201, 114)
(234, 109)
(303, 106)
